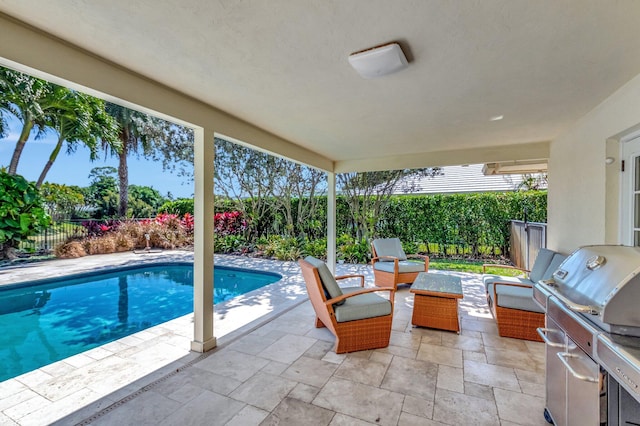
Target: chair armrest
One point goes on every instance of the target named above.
(423, 257)
(379, 258)
(344, 277)
(418, 256)
(391, 291)
(396, 266)
(495, 265)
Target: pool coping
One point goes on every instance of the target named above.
(125, 268)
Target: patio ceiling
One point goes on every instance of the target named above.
(282, 66)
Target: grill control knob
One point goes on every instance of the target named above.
(561, 274)
(595, 262)
(550, 282)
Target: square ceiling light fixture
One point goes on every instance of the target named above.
(378, 61)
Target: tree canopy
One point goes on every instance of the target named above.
(29, 99)
(76, 117)
(80, 119)
(368, 193)
(144, 134)
(254, 179)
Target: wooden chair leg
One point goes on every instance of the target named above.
(319, 324)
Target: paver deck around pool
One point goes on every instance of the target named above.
(272, 366)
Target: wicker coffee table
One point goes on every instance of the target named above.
(435, 303)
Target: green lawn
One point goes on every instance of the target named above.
(469, 266)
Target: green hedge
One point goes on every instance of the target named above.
(445, 224)
(179, 206)
(471, 224)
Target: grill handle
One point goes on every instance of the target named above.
(564, 359)
(543, 334)
(575, 307)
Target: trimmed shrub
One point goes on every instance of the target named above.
(100, 245)
(181, 206)
(166, 231)
(70, 250)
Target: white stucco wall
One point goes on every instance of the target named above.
(580, 182)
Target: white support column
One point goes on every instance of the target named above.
(203, 156)
(331, 221)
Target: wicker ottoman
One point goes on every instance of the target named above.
(435, 304)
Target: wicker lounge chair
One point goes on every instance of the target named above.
(511, 298)
(358, 318)
(390, 264)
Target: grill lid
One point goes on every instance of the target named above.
(604, 282)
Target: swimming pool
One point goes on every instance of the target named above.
(46, 321)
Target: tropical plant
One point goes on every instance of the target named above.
(62, 201)
(97, 228)
(102, 192)
(141, 133)
(5, 108)
(165, 231)
(316, 247)
(180, 206)
(352, 250)
(144, 201)
(229, 243)
(188, 222)
(229, 223)
(22, 214)
(29, 99)
(79, 118)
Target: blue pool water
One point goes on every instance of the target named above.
(46, 321)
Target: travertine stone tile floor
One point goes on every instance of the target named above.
(283, 371)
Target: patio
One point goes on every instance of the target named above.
(272, 76)
(272, 366)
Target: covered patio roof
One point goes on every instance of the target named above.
(280, 68)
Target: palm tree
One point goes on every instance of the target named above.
(29, 99)
(138, 132)
(80, 119)
(5, 107)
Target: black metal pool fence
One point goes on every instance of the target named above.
(57, 233)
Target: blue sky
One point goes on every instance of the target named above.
(74, 169)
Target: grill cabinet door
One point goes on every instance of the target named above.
(556, 374)
(583, 396)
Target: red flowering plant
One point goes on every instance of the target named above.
(166, 230)
(187, 222)
(169, 220)
(97, 229)
(229, 223)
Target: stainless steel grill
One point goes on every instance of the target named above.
(592, 337)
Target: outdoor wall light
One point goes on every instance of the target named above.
(378, 61)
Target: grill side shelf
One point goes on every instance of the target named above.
(621, 364)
